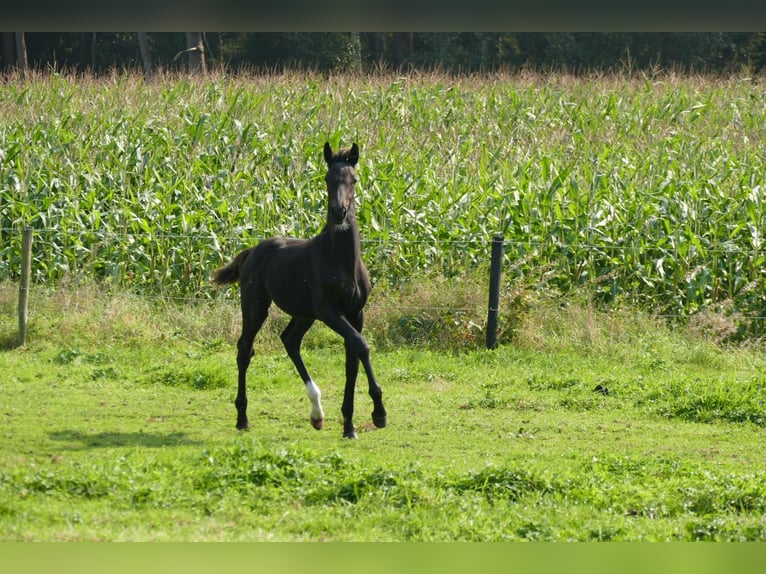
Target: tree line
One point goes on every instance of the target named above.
(459, 52)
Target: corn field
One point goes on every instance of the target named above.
(646, 190)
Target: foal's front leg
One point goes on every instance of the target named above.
(347, 408)
(357, 350)
(292, 337)
(379, 417)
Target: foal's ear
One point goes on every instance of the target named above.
(327, 152)
(353, 154)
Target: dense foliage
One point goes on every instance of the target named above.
(649, 190)
(458, 51)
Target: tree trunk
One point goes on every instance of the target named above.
(21, 52)
(379, 47)
(195, 48)
(9, 50)
(356, 52)
(401, 50)
(146, 54)
(88, 50)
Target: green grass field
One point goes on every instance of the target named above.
(133, 438)
(626, 400)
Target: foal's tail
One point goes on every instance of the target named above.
(231, 273)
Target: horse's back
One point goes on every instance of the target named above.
(273, 252)
(282, 267)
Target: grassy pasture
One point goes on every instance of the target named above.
(133, 438)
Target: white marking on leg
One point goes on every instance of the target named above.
(315, 396)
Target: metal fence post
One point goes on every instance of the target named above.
(26, 271)
(494, 290)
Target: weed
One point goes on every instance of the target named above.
(202, 377)
(502, 484)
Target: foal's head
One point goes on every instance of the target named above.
(340, 180)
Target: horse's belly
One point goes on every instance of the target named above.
(294, 298)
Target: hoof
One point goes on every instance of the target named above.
(243, 425)
(317, 423)
(379, 422)
(349, 431)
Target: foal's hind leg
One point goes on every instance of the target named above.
(255, 309)
(292, 337)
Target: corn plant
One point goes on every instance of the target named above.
(645, 190)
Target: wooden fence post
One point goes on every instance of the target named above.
(26, 271)
(494, 290)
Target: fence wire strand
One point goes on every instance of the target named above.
(242, 238)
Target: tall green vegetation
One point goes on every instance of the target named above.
(648, 190)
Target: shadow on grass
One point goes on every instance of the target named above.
(80, 441)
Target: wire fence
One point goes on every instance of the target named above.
(241, 237)
(105, 254)
(47, 241)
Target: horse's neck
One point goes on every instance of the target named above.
(345, 244)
